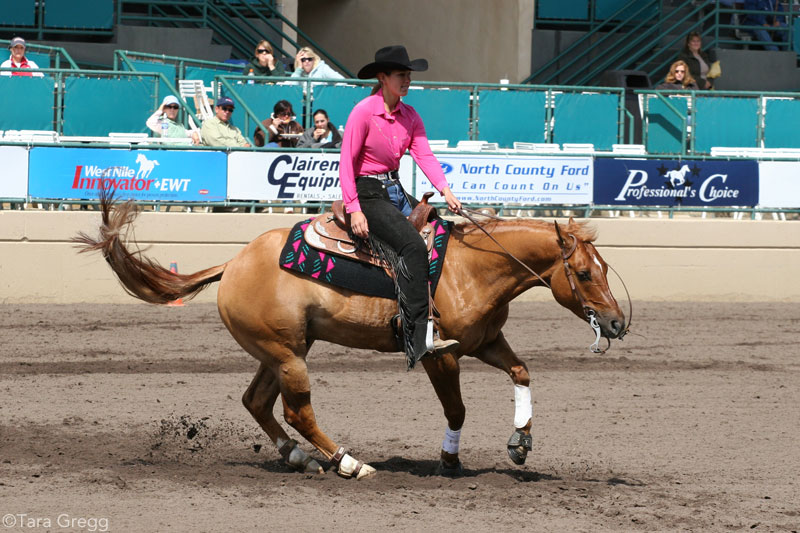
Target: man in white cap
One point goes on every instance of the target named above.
(218, 130)
(164, 121)
(18, 60)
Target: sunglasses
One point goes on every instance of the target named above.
(172, 106)
(227, 109)
(263, 51)
(304, 59)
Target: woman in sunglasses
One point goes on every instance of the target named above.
(678, 78)
(307, 64)
(264, 63)
(283, 130)
(378, 132)
(164, 122)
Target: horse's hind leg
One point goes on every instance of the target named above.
(444, 375)
(500, 355)
(259, 399)
(296, 394)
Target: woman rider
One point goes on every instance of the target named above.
(378, 132)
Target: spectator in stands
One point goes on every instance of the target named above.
(768, 20)
(218, 130)
(307, 64)
(18, 60)
(264, 63)
(324, 134)
(678, 78)
(164, 121)
(284, 131)
(698, 61)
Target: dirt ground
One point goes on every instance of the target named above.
(129, 418)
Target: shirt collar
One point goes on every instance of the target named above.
(378, 107)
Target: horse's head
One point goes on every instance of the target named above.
(580, 283)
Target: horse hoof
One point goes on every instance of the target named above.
(366, 472)
(518, 446)
(444, 469)
(517, 454)
(313, 467)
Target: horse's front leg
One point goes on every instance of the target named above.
(500, 355)
(444, 375)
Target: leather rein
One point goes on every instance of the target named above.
(566, 253)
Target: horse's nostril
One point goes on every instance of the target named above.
(616, 327)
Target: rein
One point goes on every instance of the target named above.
(565, 255)
(464, 213)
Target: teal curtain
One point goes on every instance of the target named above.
(445, 112)
(96, 14)
(663, 128)
(169, 71)
(587, 118)
(725, 121)
(98, 106)
(781, 124)
(508, 116)
(18, 13)
(558, 9)
(28, 103)
(338, 101)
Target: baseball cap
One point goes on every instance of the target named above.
(16, 41)
(225, 101)
(170, 99)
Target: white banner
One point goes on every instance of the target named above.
(515, 178)
(14, 183)
(779, 184)
(292, 176)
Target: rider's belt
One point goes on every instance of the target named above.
(391, 175)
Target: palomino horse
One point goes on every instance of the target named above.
(276, 315)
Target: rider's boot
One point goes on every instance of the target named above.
(426, 344)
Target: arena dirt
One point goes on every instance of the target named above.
(129, 417)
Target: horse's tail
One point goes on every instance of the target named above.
(140, 276)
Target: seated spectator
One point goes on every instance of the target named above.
(18, 60)
(218, 130)
(678, 78)
(698, 61)
(283, 130)
(264, 62)
(324, 134)
(307, 64)
(164, 124)
(767, 20)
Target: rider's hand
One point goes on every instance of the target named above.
(358, 223)
(453, 203)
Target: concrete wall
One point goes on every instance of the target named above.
(463, 40)
(660, 259)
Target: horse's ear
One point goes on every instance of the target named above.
(558, 234)
(571, 221)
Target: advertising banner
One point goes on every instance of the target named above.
(155, 175)
(515, 179)
(779, 184)
(292, 176)
(670, 183)
(14, 183)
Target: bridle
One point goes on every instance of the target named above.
(566, 253)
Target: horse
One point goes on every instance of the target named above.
(146, 166)
(678, 177)
(486, 266)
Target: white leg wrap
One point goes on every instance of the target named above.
(451, 439)
(523, 407)
(347, 465)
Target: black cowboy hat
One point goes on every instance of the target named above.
(391, 58)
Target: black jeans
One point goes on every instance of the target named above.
(391, 227)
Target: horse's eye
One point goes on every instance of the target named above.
(584, 275)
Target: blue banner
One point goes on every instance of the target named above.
(155, 175)
(671, 183)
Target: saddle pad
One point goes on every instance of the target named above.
(366, 279)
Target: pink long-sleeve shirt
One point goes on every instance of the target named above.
(374, 140)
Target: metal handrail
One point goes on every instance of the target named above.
(56, 50)
(584, 38)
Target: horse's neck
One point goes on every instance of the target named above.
(532, 242)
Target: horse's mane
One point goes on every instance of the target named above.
(583, 230)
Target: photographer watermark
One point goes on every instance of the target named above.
(62, 521)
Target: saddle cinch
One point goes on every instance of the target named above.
(328, 232)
